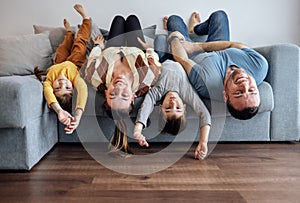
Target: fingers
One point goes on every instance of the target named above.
(144, 45)
(200, 153)
(141, 140)
(71, 127)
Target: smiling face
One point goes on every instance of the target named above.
(240, 89)
(119, 93)
(173, 106)
(62, 86)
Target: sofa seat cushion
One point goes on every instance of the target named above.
(21, 100)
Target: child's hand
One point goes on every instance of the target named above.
(201, 151)
(64, 117)
(137, 134)
(144, 45)
(73, 125)
(141, 140)
(99, 40)
(74, 121)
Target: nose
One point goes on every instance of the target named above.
(116, 90)
(172, 103)
(244, 85)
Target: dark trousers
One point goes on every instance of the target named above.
(124, 32)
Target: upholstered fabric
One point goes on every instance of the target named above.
(20, 54)
(28, 128)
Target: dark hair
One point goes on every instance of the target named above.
(171, 125)
(244, 114)
(119, 139)
(65, 101)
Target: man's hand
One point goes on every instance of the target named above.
(201, 151)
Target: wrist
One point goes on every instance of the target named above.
(172, 38)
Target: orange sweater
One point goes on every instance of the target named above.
(69, 70)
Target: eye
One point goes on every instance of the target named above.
(125, 95)
(252, 90)
(238, 92)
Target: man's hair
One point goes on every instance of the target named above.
(65, 101)
(244, 114)
(171, 125)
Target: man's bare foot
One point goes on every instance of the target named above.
(67, 25)
(194, 20)
(79, 8)
(165, 20)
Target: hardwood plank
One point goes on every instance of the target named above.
(233, 172)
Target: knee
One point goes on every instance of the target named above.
(174, 19)
(119, 19)
(219, 15)
(132, 17)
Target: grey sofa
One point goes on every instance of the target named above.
(29, 129)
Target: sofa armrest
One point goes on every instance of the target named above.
(21, 99)
(283, 75)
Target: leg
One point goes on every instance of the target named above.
(133, 30)
(216, 27)
(116, 37)
(162, 48)
(78, 51)
(176, 23)
(64, 49)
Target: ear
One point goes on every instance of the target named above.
(225, 96)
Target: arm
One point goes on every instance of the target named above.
(82, 92)
(149, 51)
(93, 60)
(216, 46)
(74, 121)
(144, 112)
(180, 55)
(201, 150)
(63, 116)
(192, 98)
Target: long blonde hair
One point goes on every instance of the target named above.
(119, 138)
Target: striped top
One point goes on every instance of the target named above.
(145, 67)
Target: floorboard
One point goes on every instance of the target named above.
(233, 172)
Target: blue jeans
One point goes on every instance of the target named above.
(216, 27)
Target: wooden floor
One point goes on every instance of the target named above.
(233, 172)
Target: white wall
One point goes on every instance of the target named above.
(254, 22)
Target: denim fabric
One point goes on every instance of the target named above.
(216, 28)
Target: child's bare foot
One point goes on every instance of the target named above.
(165, 20)
(67, 25)
(79, 8)
(194, 20)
